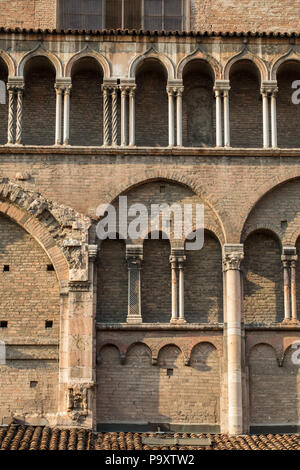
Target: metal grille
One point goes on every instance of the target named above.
(80, 14)
(121, 14)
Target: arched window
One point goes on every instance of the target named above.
(123, 14)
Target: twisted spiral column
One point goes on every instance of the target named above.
(106, 126)
(11, 106)
(114, 104)
(19, 116)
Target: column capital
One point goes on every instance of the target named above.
(134, 255)
(92, 251)
(222, 85)
(15, 83)
(269, 87)
(110, 84)
(233, 254)
(289, 253)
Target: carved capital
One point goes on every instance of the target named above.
(269, 88)
(232, 256)
(93, 251)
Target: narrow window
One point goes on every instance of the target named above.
(113, 14)
(48, 324)
(3, 324)
(6, 268)
(80, 14)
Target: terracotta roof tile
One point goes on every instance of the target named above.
(126, 32)
(18, 437)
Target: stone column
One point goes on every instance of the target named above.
(274, 118)
(181, 261)
(124, 92)
(134, 256)
(173, 262)
(58, 118)
(67, 114)
(179, 92)
(293, 291)
(219, 140)
(11, 111)
(221, 89)
(132, 116)
(114, 116)
(289, 258)
(19, 125)
(232, 257)
(226, 118)
(77, 352)
(106, 115)
(266, 131)
(170, 91)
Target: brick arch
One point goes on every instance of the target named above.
(50, 224)
(198, 54)
(139, 343)
(40, 234)
(268, 228)
(175, 177)
(211, 341)
(273, 183)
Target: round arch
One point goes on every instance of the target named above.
(31, 225)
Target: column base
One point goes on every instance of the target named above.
(290, 321)
(134, 319)
(176, 321)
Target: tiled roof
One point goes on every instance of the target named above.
(17, 437)
(126, 32)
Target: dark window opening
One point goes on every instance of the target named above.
(3, 324)
(6, 268)
(48, 324)
(152, 15)
(33, 383)
(50, 267)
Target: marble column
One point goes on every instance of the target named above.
(171, 113)
(132, 116)
(58, 116)
(174, 293)
(124, 93)
(232, 257)
(181, 261)
(226, 119)
(19, 124)
(114, 116)
(179, 92)
(289, 258)
(266, 129)
(67, 94)
(106, 115)
(274, 118)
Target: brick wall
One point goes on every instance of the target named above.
(112, 282)
(156, 281)
(30, 389)
(151, 101)
(29, 293)
(287, 112)
(252, 15)
(28, 13)
(29, 297)
(170, 392)
(39, 103)
(273, 389)
(198, 117)
(203, 283)
(86, 123)
(263, 285)
(245, 107)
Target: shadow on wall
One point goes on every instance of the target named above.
(140, 393)
(274, 390)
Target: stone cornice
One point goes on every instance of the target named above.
(151, 151)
